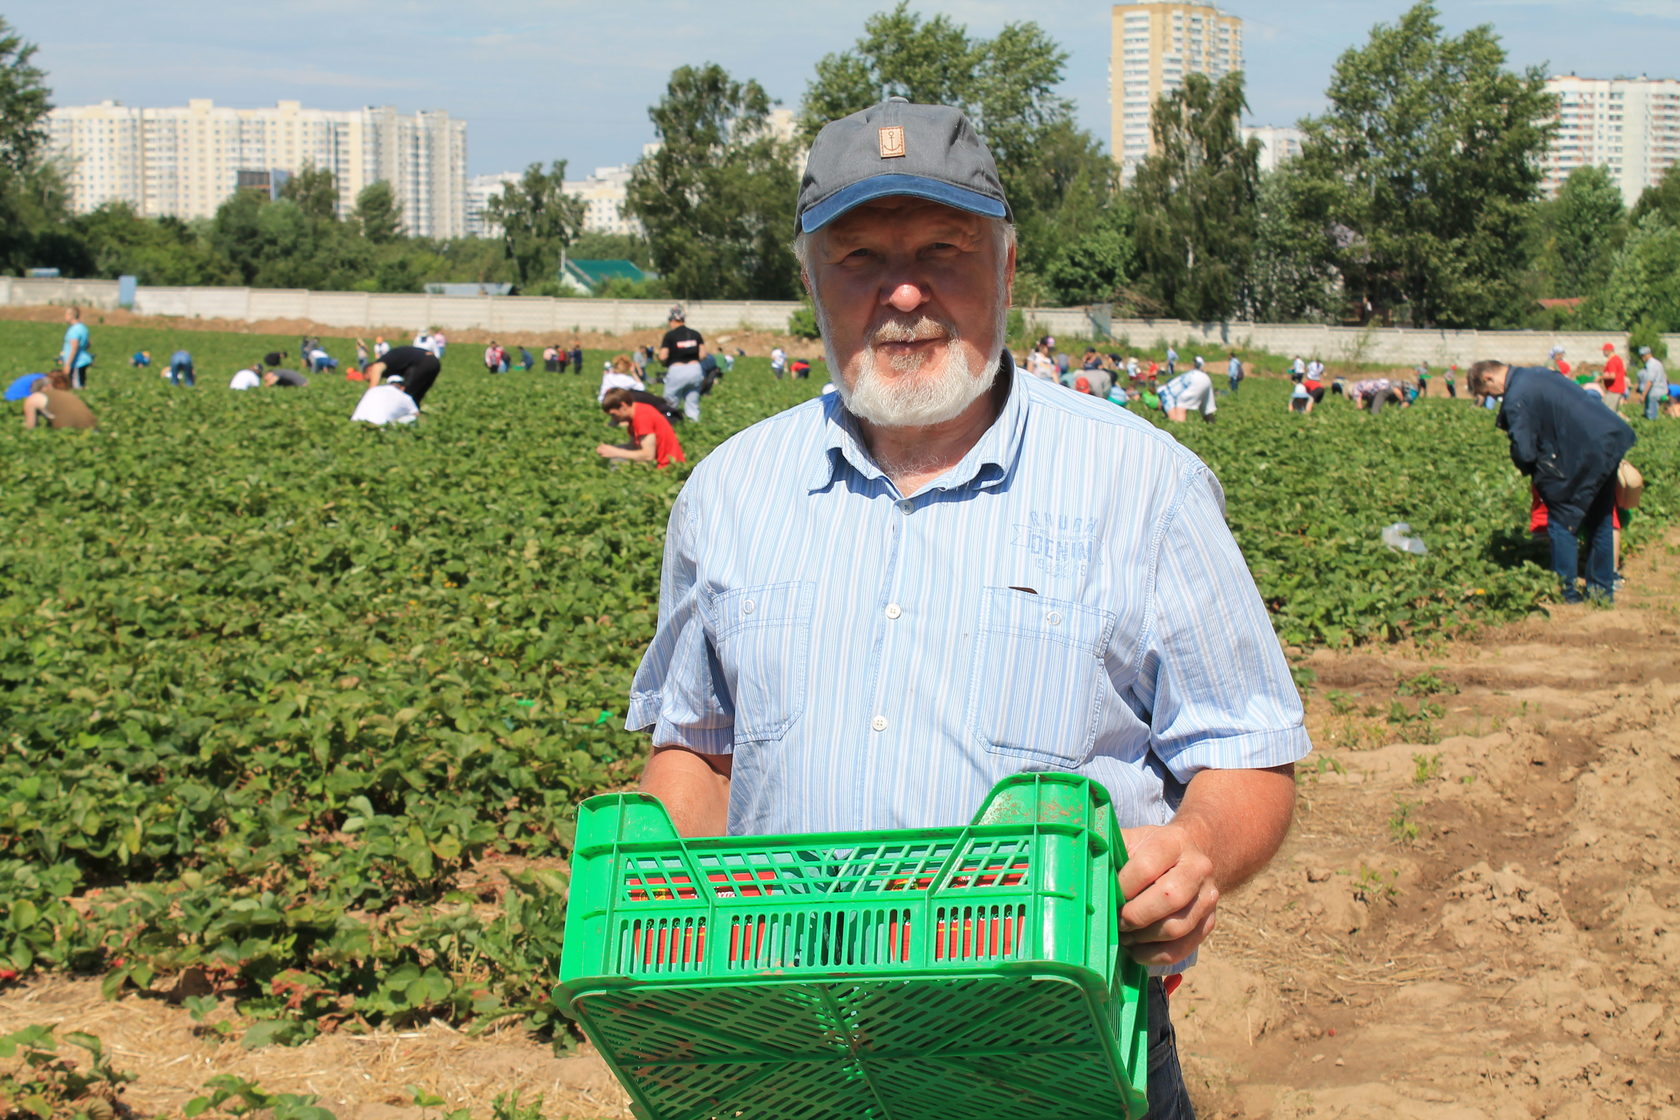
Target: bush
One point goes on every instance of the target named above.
(803, 323)
(1647, 332)
(622, 287)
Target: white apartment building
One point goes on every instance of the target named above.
(1629, 125)
(603, 194)
(185, 161)
(1278, 144)
(480, 190)
(1153, 45)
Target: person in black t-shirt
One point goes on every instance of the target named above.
(681, 350)
(417, 367)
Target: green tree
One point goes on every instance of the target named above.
(24, 103)
(1644, 281)
(538, 219)
(593, 245)
(1196, 199)
(165, 250)
(378, 214)
(1291, 278)
(1661, 197)
(315, 191)
(1005, 85)
(717, 196)
(1097, 264)
(1425, 166)
(232, 235)
(1580, 231)
(33, 199)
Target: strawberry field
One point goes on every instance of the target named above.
(297, 712)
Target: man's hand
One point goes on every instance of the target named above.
(608, 451)
(1171, 894)
(1228, 826)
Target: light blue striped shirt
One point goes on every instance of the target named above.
(1067, 597)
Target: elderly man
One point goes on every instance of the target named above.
(877, 604)
(1571, 451)
(1653, 382)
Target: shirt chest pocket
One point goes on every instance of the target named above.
(763, 641)
(1037, 688)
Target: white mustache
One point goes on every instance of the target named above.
(917, 330)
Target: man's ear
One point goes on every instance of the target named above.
(1009, 277)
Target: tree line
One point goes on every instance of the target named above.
(1416, 199)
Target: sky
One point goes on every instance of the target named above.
(538, 80)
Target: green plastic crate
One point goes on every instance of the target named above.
(919, 974)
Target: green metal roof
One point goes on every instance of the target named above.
(587, 274)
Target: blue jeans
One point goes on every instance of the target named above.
(1652, 400)
(1598, 528)
(682, 387)
(181, 371)
(1168, 1098)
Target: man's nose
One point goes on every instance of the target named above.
(906, 296)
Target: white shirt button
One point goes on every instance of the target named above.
(894, 610)
(1054, 618)
(879, 723)
(748, 607)
(906, 505)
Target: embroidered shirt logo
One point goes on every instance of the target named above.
(892, 142)
(1058, 545)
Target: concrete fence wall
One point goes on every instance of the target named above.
(553, 320)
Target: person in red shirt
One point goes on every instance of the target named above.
(1615, 377)
(652, 439)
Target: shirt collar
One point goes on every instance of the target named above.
(987, 463)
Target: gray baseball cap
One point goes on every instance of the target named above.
(896, 148)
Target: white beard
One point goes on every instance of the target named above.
(919, 396)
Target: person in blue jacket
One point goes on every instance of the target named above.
(1571, 450)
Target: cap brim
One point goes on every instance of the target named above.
(887, 186)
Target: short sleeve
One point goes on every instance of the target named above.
(678, 691)
(1213, 677)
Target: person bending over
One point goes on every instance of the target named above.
(387, 403)
(53, 402)
(652, 439)
(1571, 448)
(417, 366)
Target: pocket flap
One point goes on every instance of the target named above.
(1010, 611)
